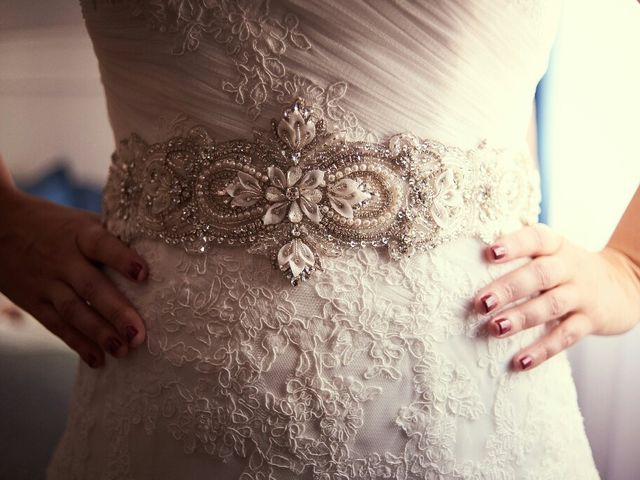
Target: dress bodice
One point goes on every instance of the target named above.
(376, 367)
(453, 71)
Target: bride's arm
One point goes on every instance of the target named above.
(51, 257)
(626, 236)
(623, 247)
(579, 292)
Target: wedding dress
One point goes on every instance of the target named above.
(312, 185)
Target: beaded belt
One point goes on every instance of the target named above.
(299, 194)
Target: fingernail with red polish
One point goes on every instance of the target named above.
(504, 325)
(114, 345)
(498, 252)
(526, 362)
(489, 302)
(131, 332)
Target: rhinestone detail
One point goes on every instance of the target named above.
(299, 194)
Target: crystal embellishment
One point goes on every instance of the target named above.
(299, 194)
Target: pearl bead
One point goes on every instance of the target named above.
(396, 184)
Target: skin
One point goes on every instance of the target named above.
(575, 291)
(52, 261)
(578, 292)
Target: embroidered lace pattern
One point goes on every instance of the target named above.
(256, 42)
(297, 195)
(238, 367)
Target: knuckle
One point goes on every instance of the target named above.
(568, 335)
(539, 234)
(557, 265)
(93, 230)
(121, 315)
(556, 304)
(102, 239)
(561, 242)
(522, 319)
(69, 309)
(87, 235)
(509, 291)
(548, 350)
(542, 274)
(88, 290)
(93, 239)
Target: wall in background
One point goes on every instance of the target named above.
(591, 123)
(51, 98)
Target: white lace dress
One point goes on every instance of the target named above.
(367, 362)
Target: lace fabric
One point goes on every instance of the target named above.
(377, 368)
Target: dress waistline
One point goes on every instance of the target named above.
(299, 194)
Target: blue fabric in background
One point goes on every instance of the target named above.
(57, 184)
(542, 131)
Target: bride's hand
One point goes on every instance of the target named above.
(51, 257)
(579, 292)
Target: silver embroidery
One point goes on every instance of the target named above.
(299, 194)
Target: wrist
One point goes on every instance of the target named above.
(12, 201)
(612, 252)
(627, 274)
(7, 189)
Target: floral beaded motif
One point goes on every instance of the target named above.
(299, 195)
(237, 367)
